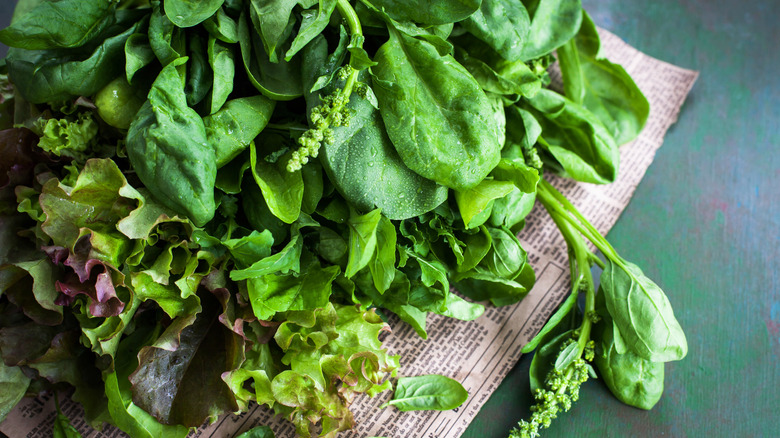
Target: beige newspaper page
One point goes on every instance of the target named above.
(479, 353)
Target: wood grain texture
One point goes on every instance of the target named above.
(705, 223)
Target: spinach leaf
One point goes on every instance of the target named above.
(59, 24)
(553, 22)
(282, 190)
(55, 75)
(602, 87)
(643, 313)
(515, 206)
(313, 23)
(167, 41)
(361, 161)
(563, 311)
(497, 75)
(441, 122)
(431, 392)
(382, 266)
(434, 12)
(576, 139)
(138, 54)
(271, 19)
(475, 202)
(223, 65)
(168, 147)
(222, 27)
(199, 77)
(634, 380)
(280, 80)
(188, 13)
(502, 24)
(362, 240)
(236, 124)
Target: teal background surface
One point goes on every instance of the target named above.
(704, 223)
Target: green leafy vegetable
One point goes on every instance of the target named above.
(181, 236)
(431, 392)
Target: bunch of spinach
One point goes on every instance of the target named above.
(205, 204)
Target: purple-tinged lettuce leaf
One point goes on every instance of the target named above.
(30, 286)
(103, 334)
(18, 161)
(124, 413)
(184, 385)
(96, 281)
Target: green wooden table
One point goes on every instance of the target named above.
(705, 223)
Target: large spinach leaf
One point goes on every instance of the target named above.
(441, 122)
(361, 161)
(168, 147)
(502, 24)
(59, 24)
(643, 313)
(434, 11)
(59, 74)
(553, 23)
(188, 13)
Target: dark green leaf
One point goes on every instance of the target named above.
(502, 24)
(277, 80)
(188, 13)
(224, 68)
(181, 383)
(59, 74)
(361, 161)
(168, 148)
(59, 24)
(433, 11)
(236, 124)
(578, 141)
(456, 139)
(362, 240)
(553, 22)
(282, 190)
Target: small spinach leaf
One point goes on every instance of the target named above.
(431, 392)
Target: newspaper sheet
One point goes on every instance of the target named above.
(479, 353)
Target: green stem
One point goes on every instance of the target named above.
(582, 256)
(557, 205)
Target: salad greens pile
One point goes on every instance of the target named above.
(209, 203)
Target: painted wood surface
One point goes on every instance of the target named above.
(705, 223)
